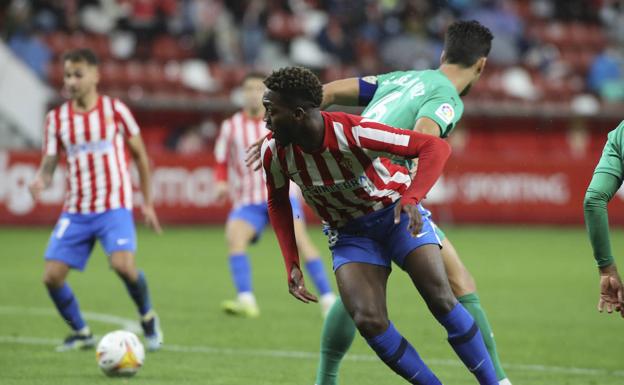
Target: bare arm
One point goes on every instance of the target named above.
(137, 149)
(43, 178)
(344, 92)
(427, 126)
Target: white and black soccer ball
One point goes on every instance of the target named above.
(120, 354)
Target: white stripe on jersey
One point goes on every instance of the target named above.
(98, 163)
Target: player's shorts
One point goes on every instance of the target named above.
(257, 215)
(427, 213)
(376, 240)
(74, 236)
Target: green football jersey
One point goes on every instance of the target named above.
(402, 97)
(612, 159)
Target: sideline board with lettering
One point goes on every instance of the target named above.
(474, 189)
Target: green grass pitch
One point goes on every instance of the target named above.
(538, 286)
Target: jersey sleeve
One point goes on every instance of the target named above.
(222, 150)
(367, 89)
(128, 123)
(611, 160)
(279, 208)
(380, 140)
(51, 141)
(444, 107)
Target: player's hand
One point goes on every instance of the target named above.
(151, 219)
(415, 219)
(253, 154)
(36, 187)
(221, 192)
(297, 288)
(611, 291)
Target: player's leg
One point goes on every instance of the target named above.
(363, 290)
(116, 232)
(244, 226)
(69, 246)
(336, 339)
(426, 269)
(465, 289)
(314, 264)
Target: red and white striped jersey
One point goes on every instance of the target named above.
(346, 178)
(237, 134)
(94, 143)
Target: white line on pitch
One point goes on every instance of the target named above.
(134, 327)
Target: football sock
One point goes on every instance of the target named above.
(66, 303)
(317, 273)
(336, 338)
(241, 272)
(472, 303)
(465, 338)
(401, 357)
(139, 293)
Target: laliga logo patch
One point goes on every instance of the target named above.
(446, 113)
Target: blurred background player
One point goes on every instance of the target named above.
(372, 209)
(605, 183)
(92, 130)
(247, 191)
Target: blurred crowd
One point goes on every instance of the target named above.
(356, 36)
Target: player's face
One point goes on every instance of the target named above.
(253, 89)
(279, 118)
(80, 78)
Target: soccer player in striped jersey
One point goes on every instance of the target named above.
(247, 192)
(606, 181)
(92, 131)
(372, 208)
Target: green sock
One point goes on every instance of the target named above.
(336, 338)
(472, 303)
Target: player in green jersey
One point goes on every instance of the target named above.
(429, 102)
(607, 179)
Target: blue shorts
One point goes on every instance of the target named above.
(376, 240)
(258, 215)
(74, 235)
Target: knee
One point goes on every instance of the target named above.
(53, 280)
(370, 323)
(441, 303)
(124, 266)
(462, 284)
(236, 243)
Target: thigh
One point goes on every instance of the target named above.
(363, 289)
(71, 241)
(425, 267)
(459, 277)
(239, 234)
(255, 216)
(116, 231)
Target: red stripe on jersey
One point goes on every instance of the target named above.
(46, 134)
(307, 181)
(72, 140)
(247, 177)
(263, 191)
(90, 161)
(367, 165)
(105, 158)
(328, 180)
(118, 119)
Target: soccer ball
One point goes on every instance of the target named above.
(120, 354)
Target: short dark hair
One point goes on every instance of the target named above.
(81, 54)
(298, 83)
(466, 42)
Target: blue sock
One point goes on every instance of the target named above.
(139, 293)
(241, 272)
(401, 357)
(67, 305)
(317, 272)
(465, 338)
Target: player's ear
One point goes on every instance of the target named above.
(480, 65)
(299, 113)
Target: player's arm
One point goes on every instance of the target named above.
(427, 126)
(44, 175)
(349, 92)
(222, 154)
(281, 216)
(139, 154)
